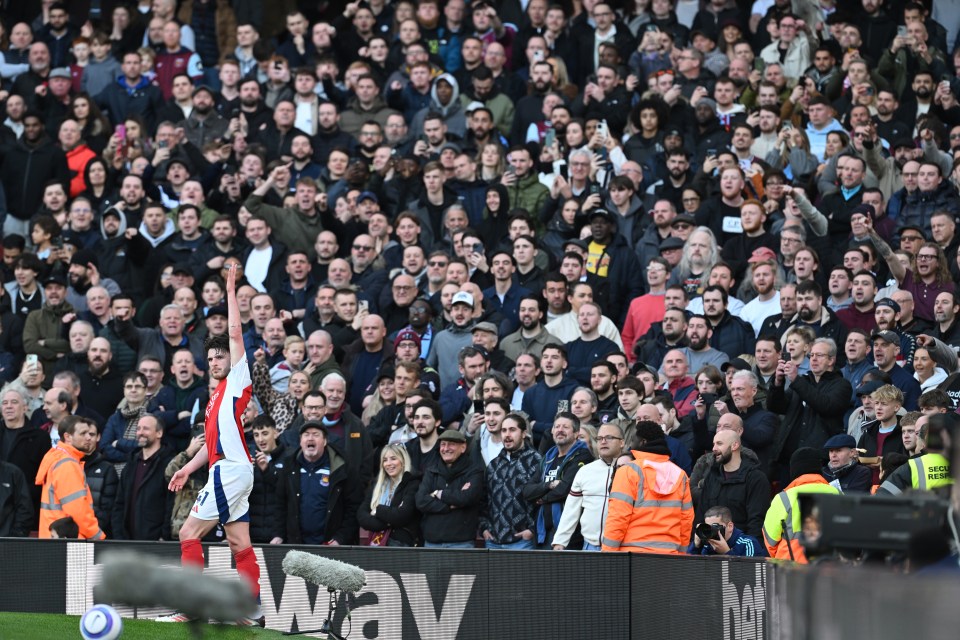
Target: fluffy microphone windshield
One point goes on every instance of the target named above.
(324, 571)
(137, 580)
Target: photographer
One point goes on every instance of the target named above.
(717, 535)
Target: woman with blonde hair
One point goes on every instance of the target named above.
(389, 511)
(492, 160)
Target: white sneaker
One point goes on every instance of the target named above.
(175, 617)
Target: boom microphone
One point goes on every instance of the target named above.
(138, 580)
(332, 574)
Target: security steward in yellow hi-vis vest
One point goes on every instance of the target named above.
(931, 471)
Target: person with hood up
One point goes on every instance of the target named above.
(445, 100)
(651, 508)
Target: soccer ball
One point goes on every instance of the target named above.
(101, 622)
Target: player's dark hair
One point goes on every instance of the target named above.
(220, 343)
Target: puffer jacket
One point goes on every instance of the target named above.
(505, 512)
(103, 481)
(263, 497)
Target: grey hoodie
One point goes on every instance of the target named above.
(453, 113)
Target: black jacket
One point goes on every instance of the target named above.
(455, 516)
(151, 514)
(893, 443)
(624, 285)
(103, 481)
(812, 412)
(342, 500)
(400, 516)
(29, 446)
(746, 493)
(853, 478)
(25, 169)
(733, 336)
(263, 497)
(16, 507)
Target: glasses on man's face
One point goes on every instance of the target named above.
(911, 238)
(689, 200)
(789, 240)
(402, 287)
(437, 263)
(362, 247)
(133, 387)
(607, 438)
(926, 257)
(955, 136)
(817, 356)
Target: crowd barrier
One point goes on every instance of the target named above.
(438, 594)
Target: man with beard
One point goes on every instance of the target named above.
(945, 310)
(204, 124)
(480, 130)
(930, 278)
(485, 92)
(531, 337)
(552, 394)
(303, 165)
(507, 520)
(662, 336)
(861, 313)
(762, 274)
(754, 236)
(27, 83)
(699, 351)
(663, 213)
(887, 121)
(886, 349)
(677, 179)
(329, 134)
(734, 481)
(811, 312)
(730, 334)
(603, 382)
(530, 107)
(101, 386)
(586, 505)
(423, 450)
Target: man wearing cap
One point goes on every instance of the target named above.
(448, 343)
(44, 328)
(84, 274)
(317, 493)
(485, 338)
(887, 314)
(886, 350)
(866, 412)
(451, 494)
(204, 124)
(844, 470)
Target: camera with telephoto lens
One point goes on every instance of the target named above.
(707, 532)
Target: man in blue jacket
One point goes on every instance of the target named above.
(728, 541)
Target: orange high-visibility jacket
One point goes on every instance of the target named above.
(786, 543)
(650, 509)
(65, 492)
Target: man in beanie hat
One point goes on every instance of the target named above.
(782, 526)
(663, 523)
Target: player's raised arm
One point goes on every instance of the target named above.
(234, 325)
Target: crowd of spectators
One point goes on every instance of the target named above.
(504, 267)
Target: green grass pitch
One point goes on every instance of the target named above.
(42, 626)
